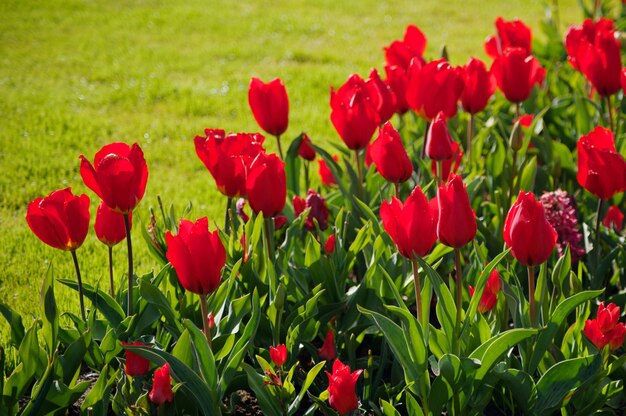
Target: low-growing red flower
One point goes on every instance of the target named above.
(109, 225)
(489, 299)
(341, 388)
(266, 185)
(278, 354)
(479, 86)
(305, 151)
(398, 80)
(197, 255)
(382, 96)
(510, 34)
(389, 155)
(577, 35)
(601, 62)
(162, 386)
(449, 166)
(606, 328)
(516, 73)
(412, 225)
(326, 175)
(270, 105)
(327, 351)
(456, 225)
(318, 210)
(118, 175)
(601, 169)
(527, 232)
(614, 218)
(136, 365)
(329, 246)
(439, 142)
(61, 220)
(402, 52)
(434, 87)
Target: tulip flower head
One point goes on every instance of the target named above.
(389, 155)
(341, 388)
(606, 328)
(614, 218)
(451, 165)
(398, 80)
(118, 175)
(601, 63)
(305, 151)
(61, 220)
(439, 143)
(270, 105)
(577, 36)
(109, 225)
(457, 220)
(382, 96)
(516, 73)
(266, 185)
(318, 210)
(527, 232)
(489, 299)
(197, 255)
(278, 355)
(162, 386)
(434, 87)
(136, 365)
(479, 86)
(401, 52)
(326, 175)
(510, 34)
(329, 246)
(601, 169)
(327, 351)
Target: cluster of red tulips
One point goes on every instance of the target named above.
(434, 91)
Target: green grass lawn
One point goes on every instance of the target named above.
(77, 74)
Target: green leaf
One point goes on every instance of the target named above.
(269, 404)
(204, 356)
(50, 327)
(156, 298)
(292, 166)
(529, 173)
(388, 409)
(110, 309)
(491, 351)
(414, 336)
(447, 310)
(522, 385)
(99, 396)
(310, 377)
(15, 322)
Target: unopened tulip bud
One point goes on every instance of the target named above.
(516, 139)
(211, 320)
(280, 297)
(444, 52)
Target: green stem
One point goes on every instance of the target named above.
(80, 286)
(280, 148)
(610, 111)
(439, 165)
(359, 171)
(418, 290)
(470, 137)
(112, 288)
(397, 189)
(425, 139)
(129, 245)
(307, 180)
(205, 319)
(459, 299)
(596, 244)
(531, 294)
(269, 238)
(228, 220)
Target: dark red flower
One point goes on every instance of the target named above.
(601, 63)
(278, 355)
(412, 225)
(162, 386)
(510, 34)
(279, 222)
(401, 53)
(489, 299)
(398, 81)
(516, 73)
(228, 158)
(601, 169)
(451, 165)
(109, 225)
(614, 218)
(389, 155)
(197, 255)
(479, 86)
(527, 232)
(341, 388)
(439, 143)
(270, 105)
(318, 210)
(456, 225)
(382, 96)
(266, 185)
(354, 113)
(434, 87)
(326, 175)
(305, 151)
(136, 365)
(327, 351)
(329, 246)
(61, 220)
(585, 33)
(606, 329)
(118, 176)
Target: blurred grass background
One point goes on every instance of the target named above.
(77, 74)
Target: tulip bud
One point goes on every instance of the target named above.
(443, 53)
(278, 355)
(327, 351)
(341, 388)
(136, 365)
(279, 300)
(614, 218)
(439, 144)
(516, 140)
(162, 386)
(389, 155)
(329, 247)
(457, 220)
(211, 320)
(305, 151)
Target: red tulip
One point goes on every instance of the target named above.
(389, 155)
(329, 246)
(318, 210)
(401, 53)
(228, 157)
(354, 113)
(606, 329)
(118, 176)
(510, 34)
(586, 33)
(326, 175)
(382, 96)
(279, 222)
(439, 144)
(412, 226)
(341, 388)
(479, 86)
(266, 185)
(434, 87)
(516, 73)
(327, 351)
(278, 355)
(162, 386)
(489, 299)
(305, 151)
(136, 365)
(527, 232)
(61, 220)
(398, 81)
(614, 218)
(449, 166)
(525, 121)
(197, 255)
(601, 169)
(456, 225)
(270, 105)
(109, 225)
(601, 62)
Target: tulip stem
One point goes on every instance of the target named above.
(396, 186)
(439, 164)
(129, 244)
(531, 294)
(280, 148)
(227, 216)
(205, 319)
(359, 171)
(459, 298)
(470, 137)
(306, 175)
(269, 239)
(418, 290)
(111, 272)
(609, 108)
(80, 286)
(425, 139)
(596, 244)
